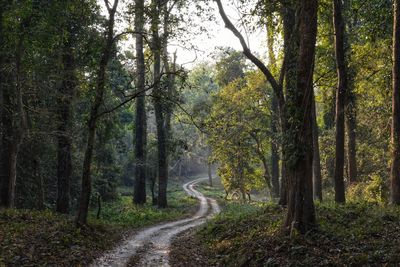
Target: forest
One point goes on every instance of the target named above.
(199, 133)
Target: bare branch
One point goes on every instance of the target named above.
(247, 52)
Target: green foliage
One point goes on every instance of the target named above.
(238, 131)
(231, 66)
(374, 191)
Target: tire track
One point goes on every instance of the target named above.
(151, 246)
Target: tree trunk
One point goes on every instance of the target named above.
(317, 177)
(351, 126)
(40, 185)
(139, 196)
(81, 218)
(158, 109)
(13, 122)
(64, 162)
(290, 72)
(395, 138)
(296, 125)
(351, 106)
(301, 212)
(340, 100)
(283, 193)
(275, 115)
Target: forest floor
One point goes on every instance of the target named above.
(354, 234)
(44, 238)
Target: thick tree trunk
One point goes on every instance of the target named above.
(158, 109)
(301, 213)
(290, 51)
(340, 99)
(395, 139)
(64, 162)
(83, 209)
(317, 177)
(139, 196)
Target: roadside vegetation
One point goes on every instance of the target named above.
(45, 238)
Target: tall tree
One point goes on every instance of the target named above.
(139, 196)
(106, 54)
(301, 213)
(275, 114)
(158, 105)
(296, 115)
(395, 139)
(64, 103)
(341, 66)
(289, 71)
(13, 113)
(317, 177)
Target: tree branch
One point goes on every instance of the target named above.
(247, 52)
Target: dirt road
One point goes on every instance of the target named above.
(150, 247)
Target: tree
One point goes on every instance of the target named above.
(14, 120)
(317, 177)
(106, 54)
(141, 120)
(340, 51)
(158, 105)
(395, 139)
(64, 106)
(275, 113)
(296, 116)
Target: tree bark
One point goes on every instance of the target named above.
(64, 144)
(317, 177)
(290, 70)
(395, 136)
(139, 196)
(301, 212)
(158, 108)
(340, 99)
(81, 218)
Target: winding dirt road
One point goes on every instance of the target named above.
(150, 247)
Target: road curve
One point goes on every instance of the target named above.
(150, 247)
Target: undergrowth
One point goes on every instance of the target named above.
(353, 234)
(44, 238)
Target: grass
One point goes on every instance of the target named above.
(44, 238)
(124, 213)
(353, 234)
